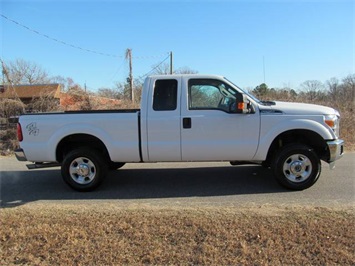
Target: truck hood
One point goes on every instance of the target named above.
(301, 109)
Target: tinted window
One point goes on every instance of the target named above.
(165, 95)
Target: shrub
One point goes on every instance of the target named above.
(8, 142)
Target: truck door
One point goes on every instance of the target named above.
(163, 123)
(211, 130)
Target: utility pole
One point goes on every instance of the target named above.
(130, 78)
(171, 63)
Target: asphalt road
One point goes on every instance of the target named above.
(179, 184)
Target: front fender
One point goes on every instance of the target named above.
(272, 127)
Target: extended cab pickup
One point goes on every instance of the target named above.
(185, 118)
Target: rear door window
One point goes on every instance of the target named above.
(165, 95)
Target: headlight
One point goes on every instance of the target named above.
(333, 122)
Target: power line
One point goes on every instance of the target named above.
(149, 56)
(72, 45)
(118, 69)
(141, 77)
(56, 40)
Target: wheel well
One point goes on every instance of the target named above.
(79, 140)
(301, 136)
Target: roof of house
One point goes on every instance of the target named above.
(30, 91)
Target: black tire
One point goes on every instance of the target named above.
(296, 167)
(83, 169)
(115, 165)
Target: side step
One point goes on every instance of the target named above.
(245, 162)
(38, 165)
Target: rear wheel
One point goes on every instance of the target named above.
(83, 169)
(297, 167)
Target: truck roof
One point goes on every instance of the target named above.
(186, 75)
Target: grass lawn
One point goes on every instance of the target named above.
(103, 234)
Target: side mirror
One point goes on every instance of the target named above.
(242, 104)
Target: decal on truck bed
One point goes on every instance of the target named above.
(32, 129)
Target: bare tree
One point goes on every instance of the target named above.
(164, 69)
(333, 88)
(312, 89)
(185, 70)
(25, 72)
(114, 93)
(65, 82)
(349, 88)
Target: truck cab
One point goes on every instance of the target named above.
(190, 118)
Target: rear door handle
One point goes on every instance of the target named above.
(186, 122)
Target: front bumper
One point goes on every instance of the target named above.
(20, 155)
(336, 151)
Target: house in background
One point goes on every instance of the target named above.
(29, 93)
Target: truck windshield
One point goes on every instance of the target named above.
(247, 93)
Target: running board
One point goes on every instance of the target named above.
(245, 162)
(42, 165)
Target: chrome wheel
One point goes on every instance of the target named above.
(82, 170)
(297, 168)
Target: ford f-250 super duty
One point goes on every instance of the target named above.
(185, 118)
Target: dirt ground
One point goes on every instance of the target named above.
(104, 234)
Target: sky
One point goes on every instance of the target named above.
(281, 43)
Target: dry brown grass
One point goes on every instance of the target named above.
(347, 129)
(106, 235)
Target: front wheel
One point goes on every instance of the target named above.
(297, 167)
(83, 169)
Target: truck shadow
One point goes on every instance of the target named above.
(21, 187)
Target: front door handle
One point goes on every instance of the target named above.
(186, 122)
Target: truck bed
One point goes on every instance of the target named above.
(118, 129)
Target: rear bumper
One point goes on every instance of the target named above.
(336, 151)
(20, 155)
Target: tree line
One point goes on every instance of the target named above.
(334, 91)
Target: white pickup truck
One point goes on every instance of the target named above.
(185, 118)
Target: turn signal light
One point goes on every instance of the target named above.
(330, 123)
